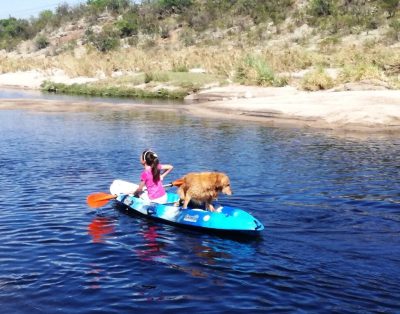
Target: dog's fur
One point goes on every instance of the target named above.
(203, 187)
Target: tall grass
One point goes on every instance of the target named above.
(15, 64)
(254, 70)
(255, 66)
(359, 72)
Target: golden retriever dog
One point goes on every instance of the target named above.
(203, 187)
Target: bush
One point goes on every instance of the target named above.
(390, 6)
(12, 27)
(116, 6)
(394, 31)
(45, 18)
(9, 43)
(263, 73)
(104, 41)
(128, 25)
(321, 7)
(174, 6)
(254, 70)
(41, 42)
(360, 71)
(263, 11)
(317, 80)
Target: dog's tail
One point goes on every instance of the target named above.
(182, 192)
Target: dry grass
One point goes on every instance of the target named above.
(317, 80)
(14, 64)
(357, 62)
(359, 72)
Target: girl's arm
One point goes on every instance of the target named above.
(166, 169)
(139, 189)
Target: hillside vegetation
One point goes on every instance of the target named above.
(158, 44)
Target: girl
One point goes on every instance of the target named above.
(152, 178)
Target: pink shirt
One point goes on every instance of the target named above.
(155, 190)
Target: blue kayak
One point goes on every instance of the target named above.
(225, 219)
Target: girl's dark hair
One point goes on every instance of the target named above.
(151, 159)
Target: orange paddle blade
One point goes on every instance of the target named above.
(177, 182)
(99, 199)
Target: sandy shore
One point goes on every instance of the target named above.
(366, 111)
(34, 78)
(370, 111)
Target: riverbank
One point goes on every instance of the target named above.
(360, 111)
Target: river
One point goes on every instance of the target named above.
(330, 206)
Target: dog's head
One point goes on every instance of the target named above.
(224, 183)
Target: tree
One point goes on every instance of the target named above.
(44, 19)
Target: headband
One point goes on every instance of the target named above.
(149, 151)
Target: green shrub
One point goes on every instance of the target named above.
(254, 70)
(321, 7)
(106, 40)
(14, 28)
(128, 25)
(264, 75)
(9, 43)
(174, 6)
(41, 42)
(394, 30)
(390, 6)
(317, 80)
(45, 18)
(116, 6)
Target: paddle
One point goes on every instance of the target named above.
(99, 199)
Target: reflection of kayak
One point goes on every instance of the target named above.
(225, 219)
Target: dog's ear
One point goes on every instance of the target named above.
(219, 180)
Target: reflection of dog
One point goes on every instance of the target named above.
(203, 187)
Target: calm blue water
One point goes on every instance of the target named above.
(330, 205)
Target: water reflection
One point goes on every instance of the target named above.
(95, 277)
(99, 228)
(152, 249)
